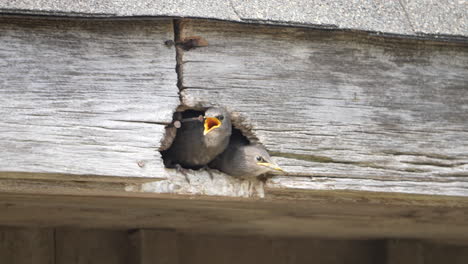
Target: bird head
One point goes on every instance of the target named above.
(217, 119)
(259, 161)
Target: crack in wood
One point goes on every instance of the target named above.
(142, 122)
(408, 153)
(434, 163)
(324, 159)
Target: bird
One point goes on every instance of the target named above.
(199, 140)
(244, 160)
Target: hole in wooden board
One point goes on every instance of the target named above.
(194, 114)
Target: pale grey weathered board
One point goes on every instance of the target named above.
(352, 112)
(85, 96)
(92, 97)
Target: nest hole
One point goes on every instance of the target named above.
(240, 131)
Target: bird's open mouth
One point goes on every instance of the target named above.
(210, 124)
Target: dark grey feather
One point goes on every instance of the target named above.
(192, 149)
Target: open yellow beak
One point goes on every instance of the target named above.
(271, 166)
(210, 124)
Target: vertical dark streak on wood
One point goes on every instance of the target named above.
(55, 245)
(179, 51)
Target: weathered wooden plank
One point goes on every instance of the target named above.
(156, 246)
(32, 245)
(208, 248)
(27, 245)
(211, 249)
(354, 112)
(81, 246)
(306, 250)
(85, 96)
(91, 97)
(435, 252)
(318, 214)
(404, 252)
(426, 251)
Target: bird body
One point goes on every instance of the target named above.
(199, 141)
(244, 160)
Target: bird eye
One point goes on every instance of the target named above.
(259, 158)
(220, 117)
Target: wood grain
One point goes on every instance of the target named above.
(74, 245)
(209, 249)
(339, 110)
(156, 246)
(304, 214)
(81, 99)
(405, 252)
(90, 246)
(85, 96)
(27, 245)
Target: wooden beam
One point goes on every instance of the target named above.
(85, 96)
(404, 252)
(156, 246)
(91, 246)
(27, 245)
(339, 110)
(344, 215)
(81, 99)
(209, 249)
(426, 251)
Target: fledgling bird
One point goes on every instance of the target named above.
(199, 141)
(244, 160)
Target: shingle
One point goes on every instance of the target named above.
(439, 17)
(401, 17)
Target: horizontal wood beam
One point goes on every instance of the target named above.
(301, 214)
(84, 104)
(339, 110)
(144, 246)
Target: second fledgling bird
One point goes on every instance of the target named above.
(244, 160)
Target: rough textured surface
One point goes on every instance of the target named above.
(368, 15)
(426, 252)
(164, 246)
(294, 214)
(90, 246)
(92, 98)
(349, 111)
(438, 17)
(81, 97)
(27, 245)
(207, 249)
(417, 18)
(157, 246)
